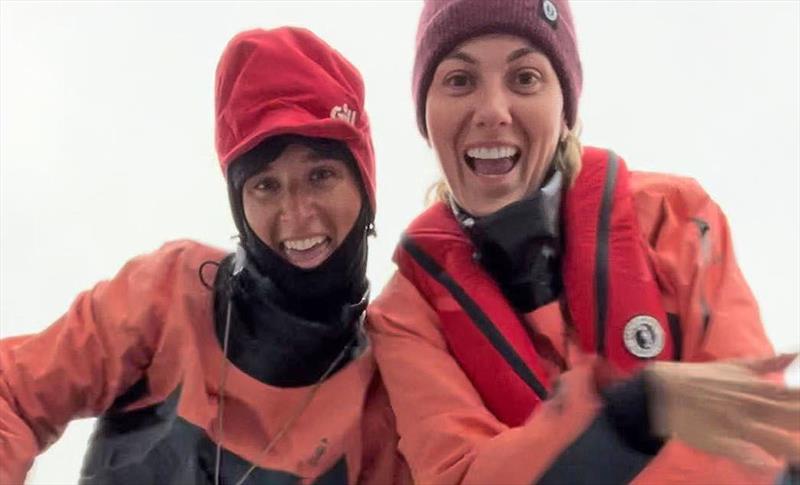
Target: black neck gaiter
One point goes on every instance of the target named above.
(519, 245)
(274, 345)
(289, 326)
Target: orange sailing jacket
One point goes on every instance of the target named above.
(450, 435)
(140, 351)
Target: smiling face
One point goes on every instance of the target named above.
(494, 114)
(302, 205)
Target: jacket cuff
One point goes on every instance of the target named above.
(627, 409)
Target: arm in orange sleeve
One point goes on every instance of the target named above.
(694, 259)
(692, 254)
(446, 433)
(78, 365)
(732, 327)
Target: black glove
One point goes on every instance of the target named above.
(519, 245)
(627, 406)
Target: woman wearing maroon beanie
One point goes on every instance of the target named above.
(205, 367)
(556, 318)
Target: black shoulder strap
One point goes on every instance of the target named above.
(601, 252)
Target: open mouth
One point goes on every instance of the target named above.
(307, 252)
(492, 161)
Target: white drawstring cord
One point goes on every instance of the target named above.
(221, 393)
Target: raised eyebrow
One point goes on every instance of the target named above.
(521, 52)
(461, 56)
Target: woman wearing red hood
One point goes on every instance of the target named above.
(253, 367)
(528, 333)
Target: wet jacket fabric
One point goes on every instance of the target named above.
(449, 432)
(140, 351)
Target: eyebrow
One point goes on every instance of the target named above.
(315, 157)
(521, 52)
(311, 158)
(462, 56)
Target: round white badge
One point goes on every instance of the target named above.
(550, 11)
(643, 336)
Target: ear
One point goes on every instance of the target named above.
(564, 130)
(427, 135)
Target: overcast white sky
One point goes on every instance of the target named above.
(106, 135)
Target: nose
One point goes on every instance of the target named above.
(494, 106)
(297, 207)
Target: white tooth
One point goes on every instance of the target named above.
(303, 244)
(491, 153)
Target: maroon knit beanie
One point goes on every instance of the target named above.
(444, 24)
